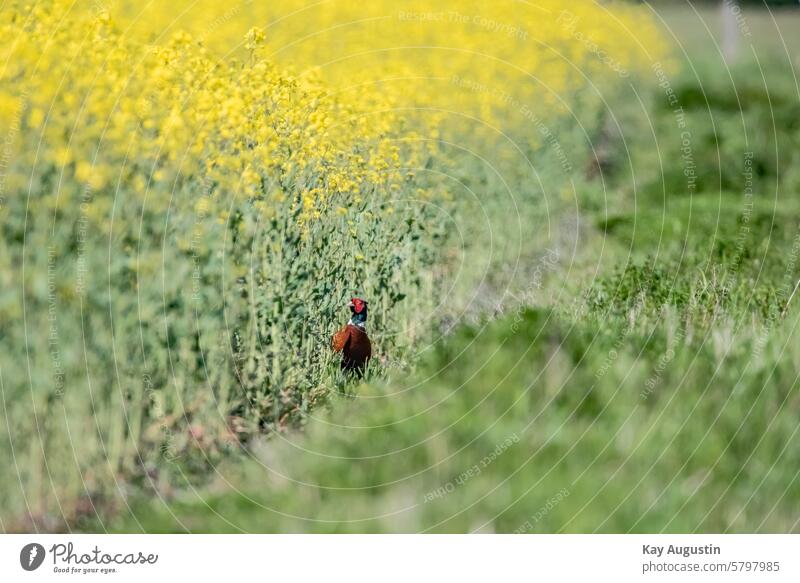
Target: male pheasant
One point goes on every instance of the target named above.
(352, 340)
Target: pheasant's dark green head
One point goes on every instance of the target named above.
(358, 308)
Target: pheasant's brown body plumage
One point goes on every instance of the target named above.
(355, 347)
(352, 341)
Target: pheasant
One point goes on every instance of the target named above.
(352, 340)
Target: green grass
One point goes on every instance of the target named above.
(503, 417)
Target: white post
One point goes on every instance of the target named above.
(730, 30)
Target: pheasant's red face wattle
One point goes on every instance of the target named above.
(358, 305)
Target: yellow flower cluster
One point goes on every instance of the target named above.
(449, 58)
(135, 109)
(104, 109)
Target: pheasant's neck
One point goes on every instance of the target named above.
(361, 324)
